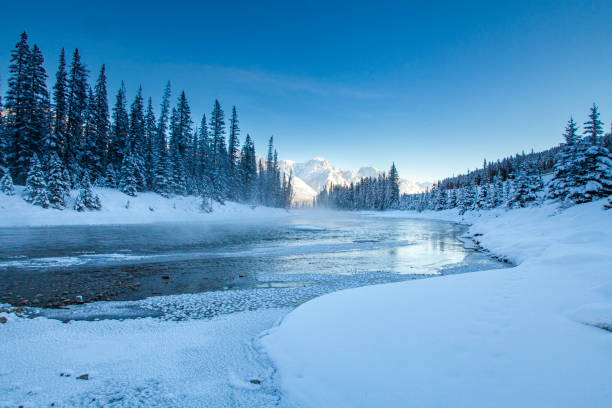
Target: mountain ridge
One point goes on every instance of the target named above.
(310, 177)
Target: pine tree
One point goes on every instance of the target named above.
(525, 188)
(219, 150)
(39, 114)
(150, 156)
(101, 123)
(468, 198)
(87, 200)
(394, 187)
(178, 181)
(248, 171)
(110, 179)
(128, 182)
(57, 187)
(6, 184)
(19, 103)
(88, 157)
(593, 128)
(36, 189)
(233, 155)
(136, 144)
(77, 109)
(57, 142)
(567, 167)
(120, 129)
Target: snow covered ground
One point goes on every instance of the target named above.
(119, 208)
(538, 334)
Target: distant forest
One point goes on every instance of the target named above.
(579, 170)
(56, 140)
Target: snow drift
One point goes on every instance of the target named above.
(534, 335)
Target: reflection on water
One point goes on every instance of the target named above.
(239, 255)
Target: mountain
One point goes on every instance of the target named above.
(312, 176)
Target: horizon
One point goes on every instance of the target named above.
(434, 90)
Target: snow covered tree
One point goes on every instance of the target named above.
(6, 184)
(468, 198)
(394, 187)
(248, 171)
(101, 124)
(57, 141)
(233, 155)
(20, 102)
(120, 129)
(77, 109)
(57, 187)
(219, 150)
(110, 178)
(36, 188)
(525, 188)
(593, 128)
(568, 166)
(87, 200)
(128, 182)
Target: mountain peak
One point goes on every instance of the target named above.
(314, 175)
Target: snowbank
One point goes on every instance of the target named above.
(534, 335)
(119, 208)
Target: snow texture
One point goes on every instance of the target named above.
(312, 176)
(534, 335)
(119, 208)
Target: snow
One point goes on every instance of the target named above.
(119, 208)
(534, 335)
(312, 176)
(138, 362)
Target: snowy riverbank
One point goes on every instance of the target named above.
(119, 208)
(534, 335)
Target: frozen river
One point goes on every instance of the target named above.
(188, 301)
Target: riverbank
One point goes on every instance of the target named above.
(534, 335)
(119, 208)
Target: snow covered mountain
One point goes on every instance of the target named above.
(312, 176)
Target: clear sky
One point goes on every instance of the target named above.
(434, 86)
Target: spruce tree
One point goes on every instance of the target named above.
(101, 123)
(57, 187)
(57, 142)
(394, 187)
(150, 155)
(568, 167)
(525, 188)
(6, 184)
(128, 182)
(87, 200)
(233, 154)
(593, 128)
(39, 114)
(248, 171)
(219, 150)
(19, 103)
(110, 179)
(119, 129)
(36, 188)
(77, 109)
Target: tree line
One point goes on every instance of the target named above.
(369, 193)
(577, 171)
(54, 141)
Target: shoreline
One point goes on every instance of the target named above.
(489, 332)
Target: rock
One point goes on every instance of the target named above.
(3, 319)
(256, 382)
(83, 377)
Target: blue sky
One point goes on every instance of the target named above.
(434, 86)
